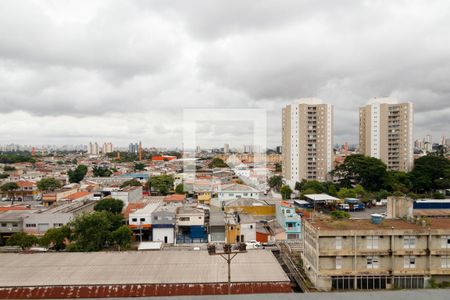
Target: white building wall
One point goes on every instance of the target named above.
(248, 231)
(159, 235)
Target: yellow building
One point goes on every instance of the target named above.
(232, 229)
(249, 206)
(204, 197)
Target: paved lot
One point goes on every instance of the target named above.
(45, 269)
(365, 214)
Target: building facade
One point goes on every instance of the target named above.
(289, 220)
(307, 140)
(357, 254)
(386, 132)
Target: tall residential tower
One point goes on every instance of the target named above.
(386, 132)
(307, 140)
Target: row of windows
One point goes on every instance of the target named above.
(409, 242)
(409, 262)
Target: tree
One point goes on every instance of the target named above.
(9, 189)
(48, 184)
(161, 184)
(179, 189)
(430, 173)
(91, 232)
(122, 237)
(112, 205)
(285, 192)
(398, 181)
(370, 172)
(312, 185)
(275, 182)
(132, 182)
(346, 193)
(139, 167)
(339, 214)
(278, 167)
(217, 163)
(77, 175)
(101, 171)
(22, 239)
(56, 238)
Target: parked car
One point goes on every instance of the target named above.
(253, 244)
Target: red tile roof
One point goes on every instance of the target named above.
(7, 208)
(175, 198)
(77, 195)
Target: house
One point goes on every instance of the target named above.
(131, 194)
(190, 222)
(240, 228)
(50, 198)
(78, 196)
(234, 191)
(175, 198)
(289, 219)
(11, 221)
(367, 254)
(40, 221)
(140, 221)
(217, 227)
(27, 191)
(163, 223)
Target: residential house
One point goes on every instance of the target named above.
(190, 225)
(163, 223)
(40, 221)
(289, 219)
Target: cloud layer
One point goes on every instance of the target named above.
(75, 71)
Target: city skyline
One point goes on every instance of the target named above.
(163, 58)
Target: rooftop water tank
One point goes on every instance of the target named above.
(376, 218)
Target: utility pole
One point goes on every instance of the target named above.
(228, 254)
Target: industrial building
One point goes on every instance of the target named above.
(361, 254)
(137, 274)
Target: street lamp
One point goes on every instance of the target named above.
(228, 254)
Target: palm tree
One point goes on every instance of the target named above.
(9, 189)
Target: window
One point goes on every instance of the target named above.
(409, 242)
(185, 219)
(58, 225)
(445, 242)
(372, 262)
(372, 242)
(251, 226)
(30, 225)
(338, 262)
(409, 262)
(3, 224)
(15, 225)
(445, 262)
(142, 219)
(134, 220)
(338, 242)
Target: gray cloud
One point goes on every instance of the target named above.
(126, 69)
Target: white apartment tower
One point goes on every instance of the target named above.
(307, 141)
(386, 132)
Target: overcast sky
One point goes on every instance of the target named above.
(78, 71)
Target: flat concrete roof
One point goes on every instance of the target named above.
(366, 224)
(44, 269)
